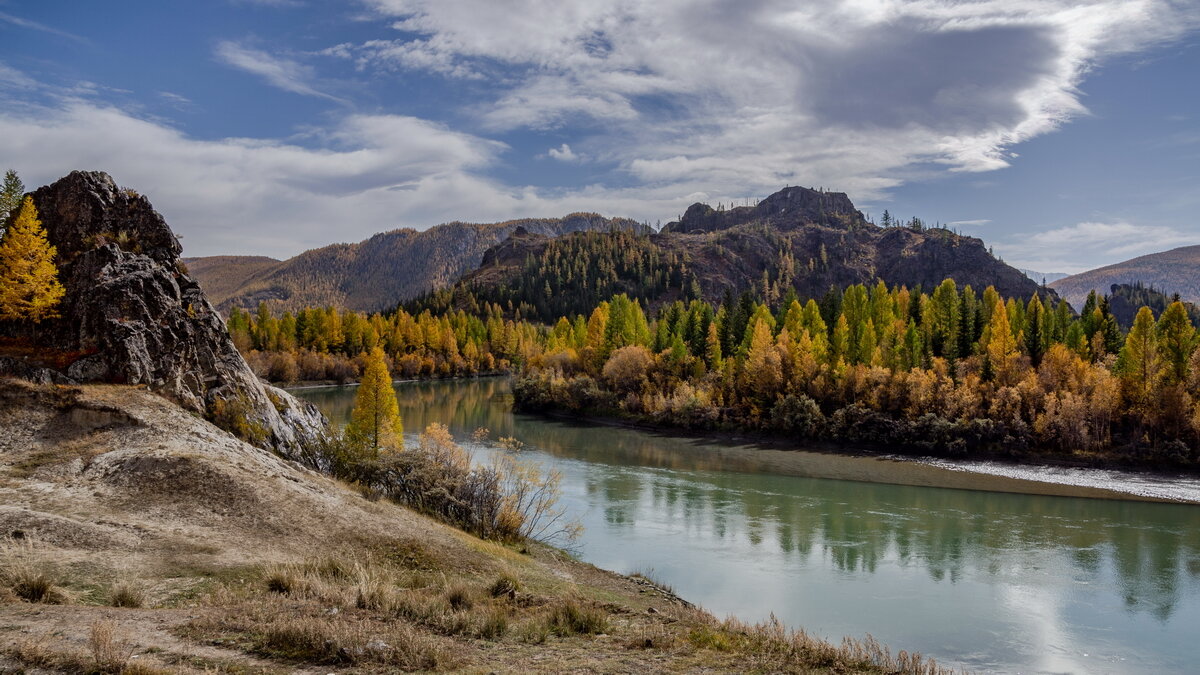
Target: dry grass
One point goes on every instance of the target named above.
(126, 593)
(109, 648)
(28, 576)
(109, 652)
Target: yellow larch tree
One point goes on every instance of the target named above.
(375, 423)
(29, 286)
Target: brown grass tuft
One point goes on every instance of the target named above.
(126, 594)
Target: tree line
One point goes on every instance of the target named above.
(948, 371)
(325, 343)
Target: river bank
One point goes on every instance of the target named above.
(1032, 579)
(823, 459)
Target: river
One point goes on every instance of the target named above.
(921, 557)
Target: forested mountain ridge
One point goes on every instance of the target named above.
(1173, 271)
(799, 239)
(379, 272)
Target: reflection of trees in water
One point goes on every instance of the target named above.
(1150, 548)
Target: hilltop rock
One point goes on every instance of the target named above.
(787, 209)
(133, 315)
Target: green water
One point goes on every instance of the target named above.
(989, 581)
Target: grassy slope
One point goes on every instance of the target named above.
(241, 562)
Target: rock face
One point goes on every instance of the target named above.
(133, 315)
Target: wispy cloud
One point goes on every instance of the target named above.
(280, 72)
(34, 25)
(970, 223)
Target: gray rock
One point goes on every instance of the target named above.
(133, 315)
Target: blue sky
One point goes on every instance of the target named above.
(1064, 133)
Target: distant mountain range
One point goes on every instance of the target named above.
(1174, 271)
(797, 238)
(1043, 277)
(377, 273)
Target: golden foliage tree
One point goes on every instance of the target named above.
(375, 423)
(29, 286)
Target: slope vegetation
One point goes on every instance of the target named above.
(1174, 271)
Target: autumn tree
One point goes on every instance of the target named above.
(29, 286)
(375, 423)
(1001, 348)
(1139, 363)
(1176, 340)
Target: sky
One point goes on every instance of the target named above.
(1066, 134)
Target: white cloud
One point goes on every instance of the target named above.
(1084, 246)
(970, 223)
(364, 175)
(563, 154)
(742, 97)
(283, 73)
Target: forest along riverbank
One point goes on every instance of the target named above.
(975, 577)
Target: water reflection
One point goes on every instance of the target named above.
(989, 580)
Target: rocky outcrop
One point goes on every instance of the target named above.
(787, 209)
(133, 315)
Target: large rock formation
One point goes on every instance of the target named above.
(133, 315)
(787, 209)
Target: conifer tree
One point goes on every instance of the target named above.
(10, 197)
(1001, 348)
(29, 286)
(764, 370)
(1035, 333)
(375, 423)
(1176, 340)
(1139, 363)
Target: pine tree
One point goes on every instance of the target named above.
(29, 286)
(10, 197)
(375, 423)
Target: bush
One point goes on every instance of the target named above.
(236, 415)
(797, 414)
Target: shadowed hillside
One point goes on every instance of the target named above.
(377, 273)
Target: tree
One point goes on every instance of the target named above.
(1176, 340)
(1001, 349)
(29, 286)
(764, 370)
(1139, 362)
(10, 197)
(375, 423)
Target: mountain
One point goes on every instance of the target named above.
(377, 273)
(797, 238)
(1174, 271)
(1046, 277)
